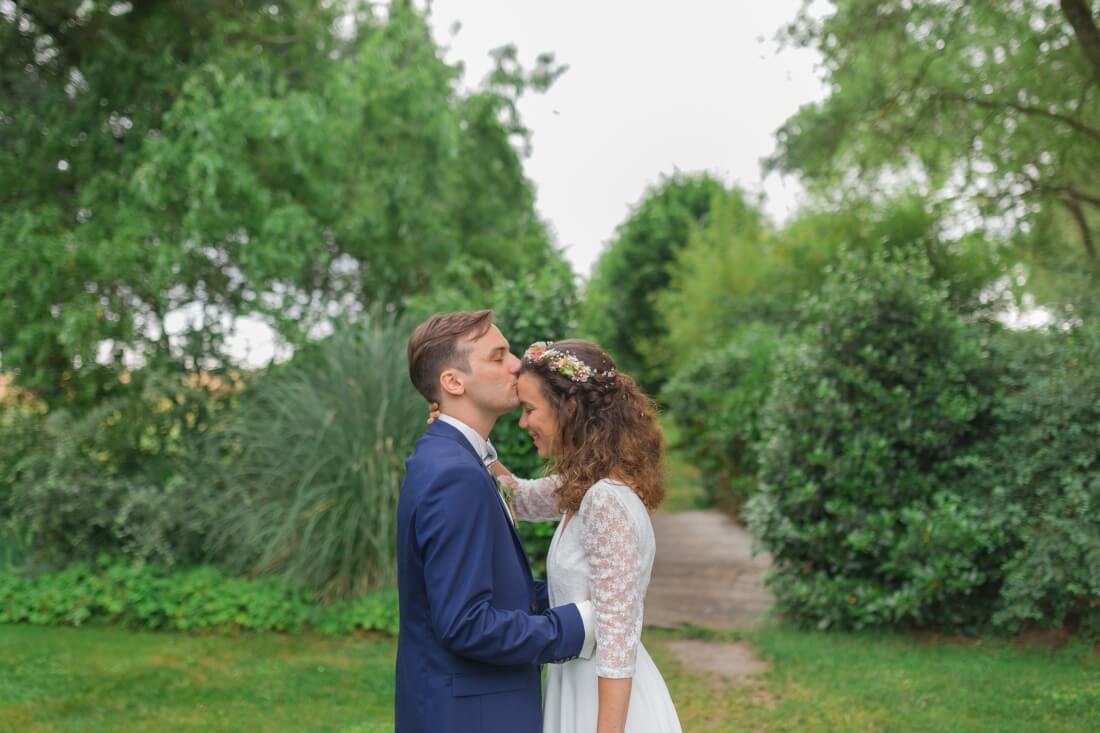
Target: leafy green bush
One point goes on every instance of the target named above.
(116, 478)
(147, 596)
(716, 401)
(312, 464)
(20, 429)
(871, 499)
(1050, 455)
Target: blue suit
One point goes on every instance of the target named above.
(474, 624)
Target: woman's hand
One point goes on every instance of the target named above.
(433, 412)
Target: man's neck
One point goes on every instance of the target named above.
(471, 416)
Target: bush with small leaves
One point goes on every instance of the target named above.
(871, 499)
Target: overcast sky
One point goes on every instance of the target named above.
(651, 88)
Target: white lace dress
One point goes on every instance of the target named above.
(604, 553)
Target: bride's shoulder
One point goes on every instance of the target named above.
(608, 490)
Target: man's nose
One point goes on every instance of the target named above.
(514, 364)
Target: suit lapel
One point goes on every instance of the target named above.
(440, 429)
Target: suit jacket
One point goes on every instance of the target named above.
(473, 624)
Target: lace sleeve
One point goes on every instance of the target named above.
(535, 501)
(614, 558)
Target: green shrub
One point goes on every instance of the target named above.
(118, 478)
(1050, 455)
(20, 434)
(716, 401)
(312, 463)
(871, 496)
(147, 596)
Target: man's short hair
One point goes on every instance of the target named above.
(435, 346)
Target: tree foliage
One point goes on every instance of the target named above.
(715, 281)
(736, 289)
(619, 310)
(292, 160)
(987, 102)
(737, 268)
(717, 400)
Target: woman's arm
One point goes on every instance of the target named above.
(614, 560)
(614, 703)
(533, 500)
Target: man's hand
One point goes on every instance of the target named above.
(503, 474)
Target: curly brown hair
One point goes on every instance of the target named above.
(607, 428)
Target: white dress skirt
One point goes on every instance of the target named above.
(603, 554)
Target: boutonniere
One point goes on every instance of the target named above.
(506, 485)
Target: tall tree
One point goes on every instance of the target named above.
(715, 282)
(199, 161)
(989, 102)
(619, 305)
(737, 269)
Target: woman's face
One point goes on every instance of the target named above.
(537, 417)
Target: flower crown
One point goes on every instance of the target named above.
(562, 362)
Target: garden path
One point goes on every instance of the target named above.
(704, 573)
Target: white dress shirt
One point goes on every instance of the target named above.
(488, 456)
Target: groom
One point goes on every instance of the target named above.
(474, 624)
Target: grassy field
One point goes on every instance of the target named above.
(880, 683)
(109, 680)
(100, 680)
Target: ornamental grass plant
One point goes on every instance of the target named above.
(312, 464)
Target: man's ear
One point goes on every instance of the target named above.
(450, 381)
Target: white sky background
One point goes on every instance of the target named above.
(651, 88)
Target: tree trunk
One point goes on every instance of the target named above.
(1079, 15)
(1078, 213)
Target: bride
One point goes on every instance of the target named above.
(601, 434)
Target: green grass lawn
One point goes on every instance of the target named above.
(879, 682)
(93, 680)
(112, 680)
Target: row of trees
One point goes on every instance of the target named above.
(967, 128)
(906, 457)
(292, 161)
(310, 164)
